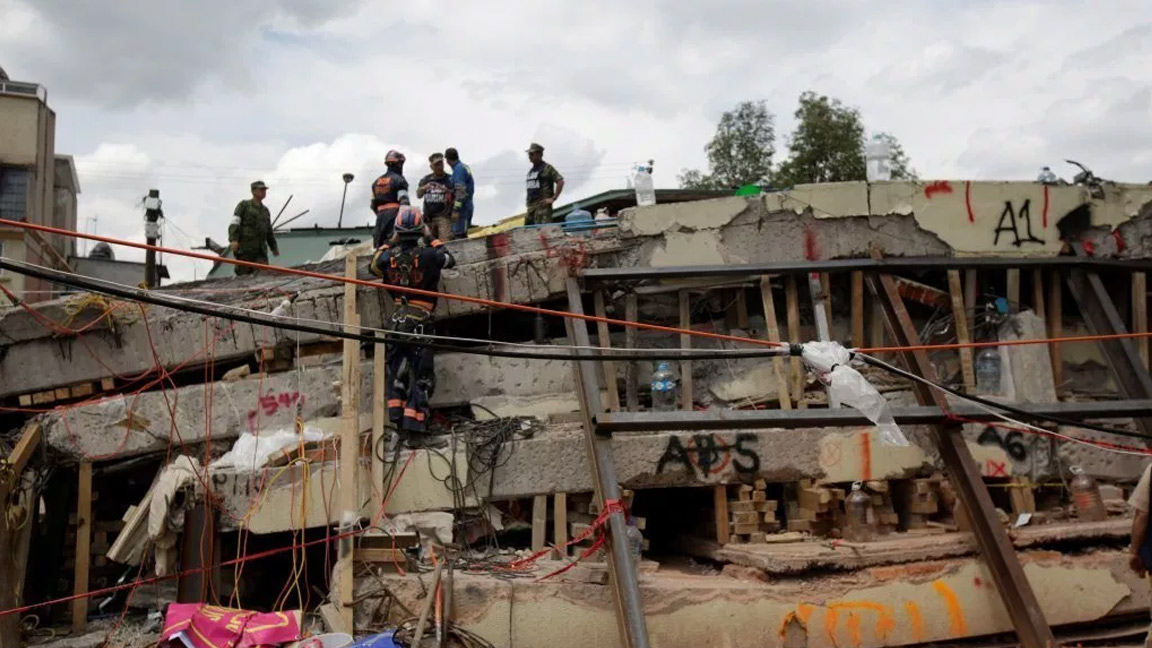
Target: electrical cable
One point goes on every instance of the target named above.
(145, 296)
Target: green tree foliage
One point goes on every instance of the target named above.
(827, 145)
(740, 152)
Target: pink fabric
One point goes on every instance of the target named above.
(208, 626)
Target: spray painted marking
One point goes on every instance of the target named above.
(866, 456)
(271, 403)
(994, 468)
(938, 187)
(957, 625)
(968, 201)
(915, 619)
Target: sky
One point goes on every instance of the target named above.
(198, 99)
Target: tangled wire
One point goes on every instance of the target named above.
(456, 636)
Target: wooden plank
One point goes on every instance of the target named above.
(560, 525)
(1056, 326)
(741, 309)
(962, 336)
(82, 390)
(792, 299)
(380, 555)
(107, 384)
(858, 309)
(826, 289)
(611, 387)
(720, 502)
(632, 373)
(971, 291)
(379, 415)
(21, 454)
(1023, 499)
(83, 544)
(1013, 290)
(349, 447)
(1038, 293)
(772, 332)
(539, 521)
(1140, 312)
(685, 343)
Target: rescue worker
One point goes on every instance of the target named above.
(545, 185)
(463, 190)
(250, 234)
(389, 192)
(436, 190)
(413, 259)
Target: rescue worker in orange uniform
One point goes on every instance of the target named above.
(389, 193)
(413, 259)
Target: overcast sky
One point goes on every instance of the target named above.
(200, 98)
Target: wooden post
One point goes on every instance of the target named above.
(792, 299)
(971, 290)
(560, 525)
(962, 335)
(611, 387)
(741, 309)
(858, 309)
(1056, 326)
(1140, 312)
(720, 503)
(1013, 287)
(83, 546)
(379, 414)
(539, 521)
(632, 374)
(1038, 293)
(14, 542)
(826, 290)
(349, 447)
(685, 343)
(772, 332)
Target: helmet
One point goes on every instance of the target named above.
(394, 157)
(409, 221)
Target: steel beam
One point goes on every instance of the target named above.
(721, 419)
(846, 265)
(1103, 318)
(630, 612)
(995, 548)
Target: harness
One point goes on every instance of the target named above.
(404, 270)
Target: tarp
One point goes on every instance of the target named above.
(207, 626)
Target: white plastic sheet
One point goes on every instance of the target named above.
(831, 362)
(251, 452)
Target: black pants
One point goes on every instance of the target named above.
(385, 224)
(410, 375)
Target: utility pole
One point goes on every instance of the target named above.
(347, 179)
(152, 216)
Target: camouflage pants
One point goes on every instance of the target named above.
(247, 270)
(441, 227)
(539, 213)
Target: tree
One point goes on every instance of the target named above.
(898, 160)
(740, 152)
(827, 145)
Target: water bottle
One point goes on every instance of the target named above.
(645, 187)
(859, 523)
(578, 220)
(1086, 496)
(635, 542)
(664, 392)
(878, 155)
(988, 371)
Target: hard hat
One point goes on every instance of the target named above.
(394, 157)
(409, 221)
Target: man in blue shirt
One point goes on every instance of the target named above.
(464, 188)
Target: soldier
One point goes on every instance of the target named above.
(389, 192)
(544, 186)
(436, 190)
(250, 233)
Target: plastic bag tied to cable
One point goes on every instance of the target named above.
(831, 362)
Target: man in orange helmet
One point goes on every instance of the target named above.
(389, 192)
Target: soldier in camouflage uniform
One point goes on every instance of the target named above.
(544, 186)
(250, 233)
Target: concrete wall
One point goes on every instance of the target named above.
(20, 135)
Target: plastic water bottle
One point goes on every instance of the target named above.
(1086, 496)
(578, 220)
(988, 371)
(878, 155)
(645, 187)
(859, 525)
(664, 391)
(635, 542)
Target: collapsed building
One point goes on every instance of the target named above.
(143, 436)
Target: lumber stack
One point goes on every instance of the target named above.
(752, 515)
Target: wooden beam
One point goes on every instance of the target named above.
(685, 343)
(962, 336)
(1056, 326)
(971, 291)
(1038, 293)
(560, 525)
(539, 521)
(631, 375)
(741, 308)
(611, 388)
(772, 333)
(379, 415)
(792, 299)
(1140, 312)
(59, 260)
(720, 504)
(349, 447)
(83, 547)
(1013, 287)
(858, 309)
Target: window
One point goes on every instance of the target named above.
(14, 185)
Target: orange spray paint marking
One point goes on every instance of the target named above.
(853, 624)
(866, 455)
(804, 612)
(959, 627)
(885, 619)
(830, 619)
(915, 619)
